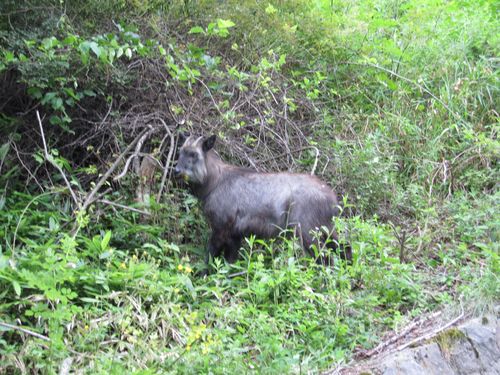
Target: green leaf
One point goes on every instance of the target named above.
(105, 255)
(4, 150)
(9, 57)
(70, 40)
(119, 52)
(57, 103)
(105, 240)
(225, 24)
(95, 48)
(35, 92)
(111, 55)
(49, 43)
(89, 93)
(270, 9)
(196, 30)
(17, 287)
(128, 53)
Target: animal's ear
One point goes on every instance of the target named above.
(183, 136)
(208, 143)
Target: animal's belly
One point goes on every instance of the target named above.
(261, 225)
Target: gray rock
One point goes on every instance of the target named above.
(485, 344)
(463, 358)
(402, 364)
(432, 360)
(473, 350)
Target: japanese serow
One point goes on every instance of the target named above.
(239, 202)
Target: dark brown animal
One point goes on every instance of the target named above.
(239, 202)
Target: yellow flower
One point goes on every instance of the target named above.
(188, 269)
(86, 328)
(179, 267)
(188, 348)
(123, 265)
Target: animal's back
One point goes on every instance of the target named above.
(265, 203)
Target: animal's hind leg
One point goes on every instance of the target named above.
(306, 241)
(232, 248)
(345, 252)
(315, 246)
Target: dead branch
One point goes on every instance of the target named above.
(105, 201)
(432, 333)
(133, 156)
(24, 330)
(90, 197)
(411, 327)
(50, 159)
(315, 161)
(167, 163)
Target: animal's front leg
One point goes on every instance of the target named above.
(214, 249)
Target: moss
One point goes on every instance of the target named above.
(447, 338)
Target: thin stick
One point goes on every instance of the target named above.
(50, 159)
(27, 331)
(432, 333)
(90, 197)
(315, 161)
(169, 157)
(134, 155)
(400, 335)
(105, 201)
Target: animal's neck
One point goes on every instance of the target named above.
(215, 170)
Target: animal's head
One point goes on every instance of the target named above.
(191, 165)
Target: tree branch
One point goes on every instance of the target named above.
(24, 330)
(169, 157)
(90, 197)
(50, 159)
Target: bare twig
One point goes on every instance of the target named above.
(134, 155)
(91, 196)
(32, 176)
(411, 327)
(107, 113)
(50, 159)
(315, 161)
(24, 330)
(167, 163)
(105, 201)
(433, 332)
